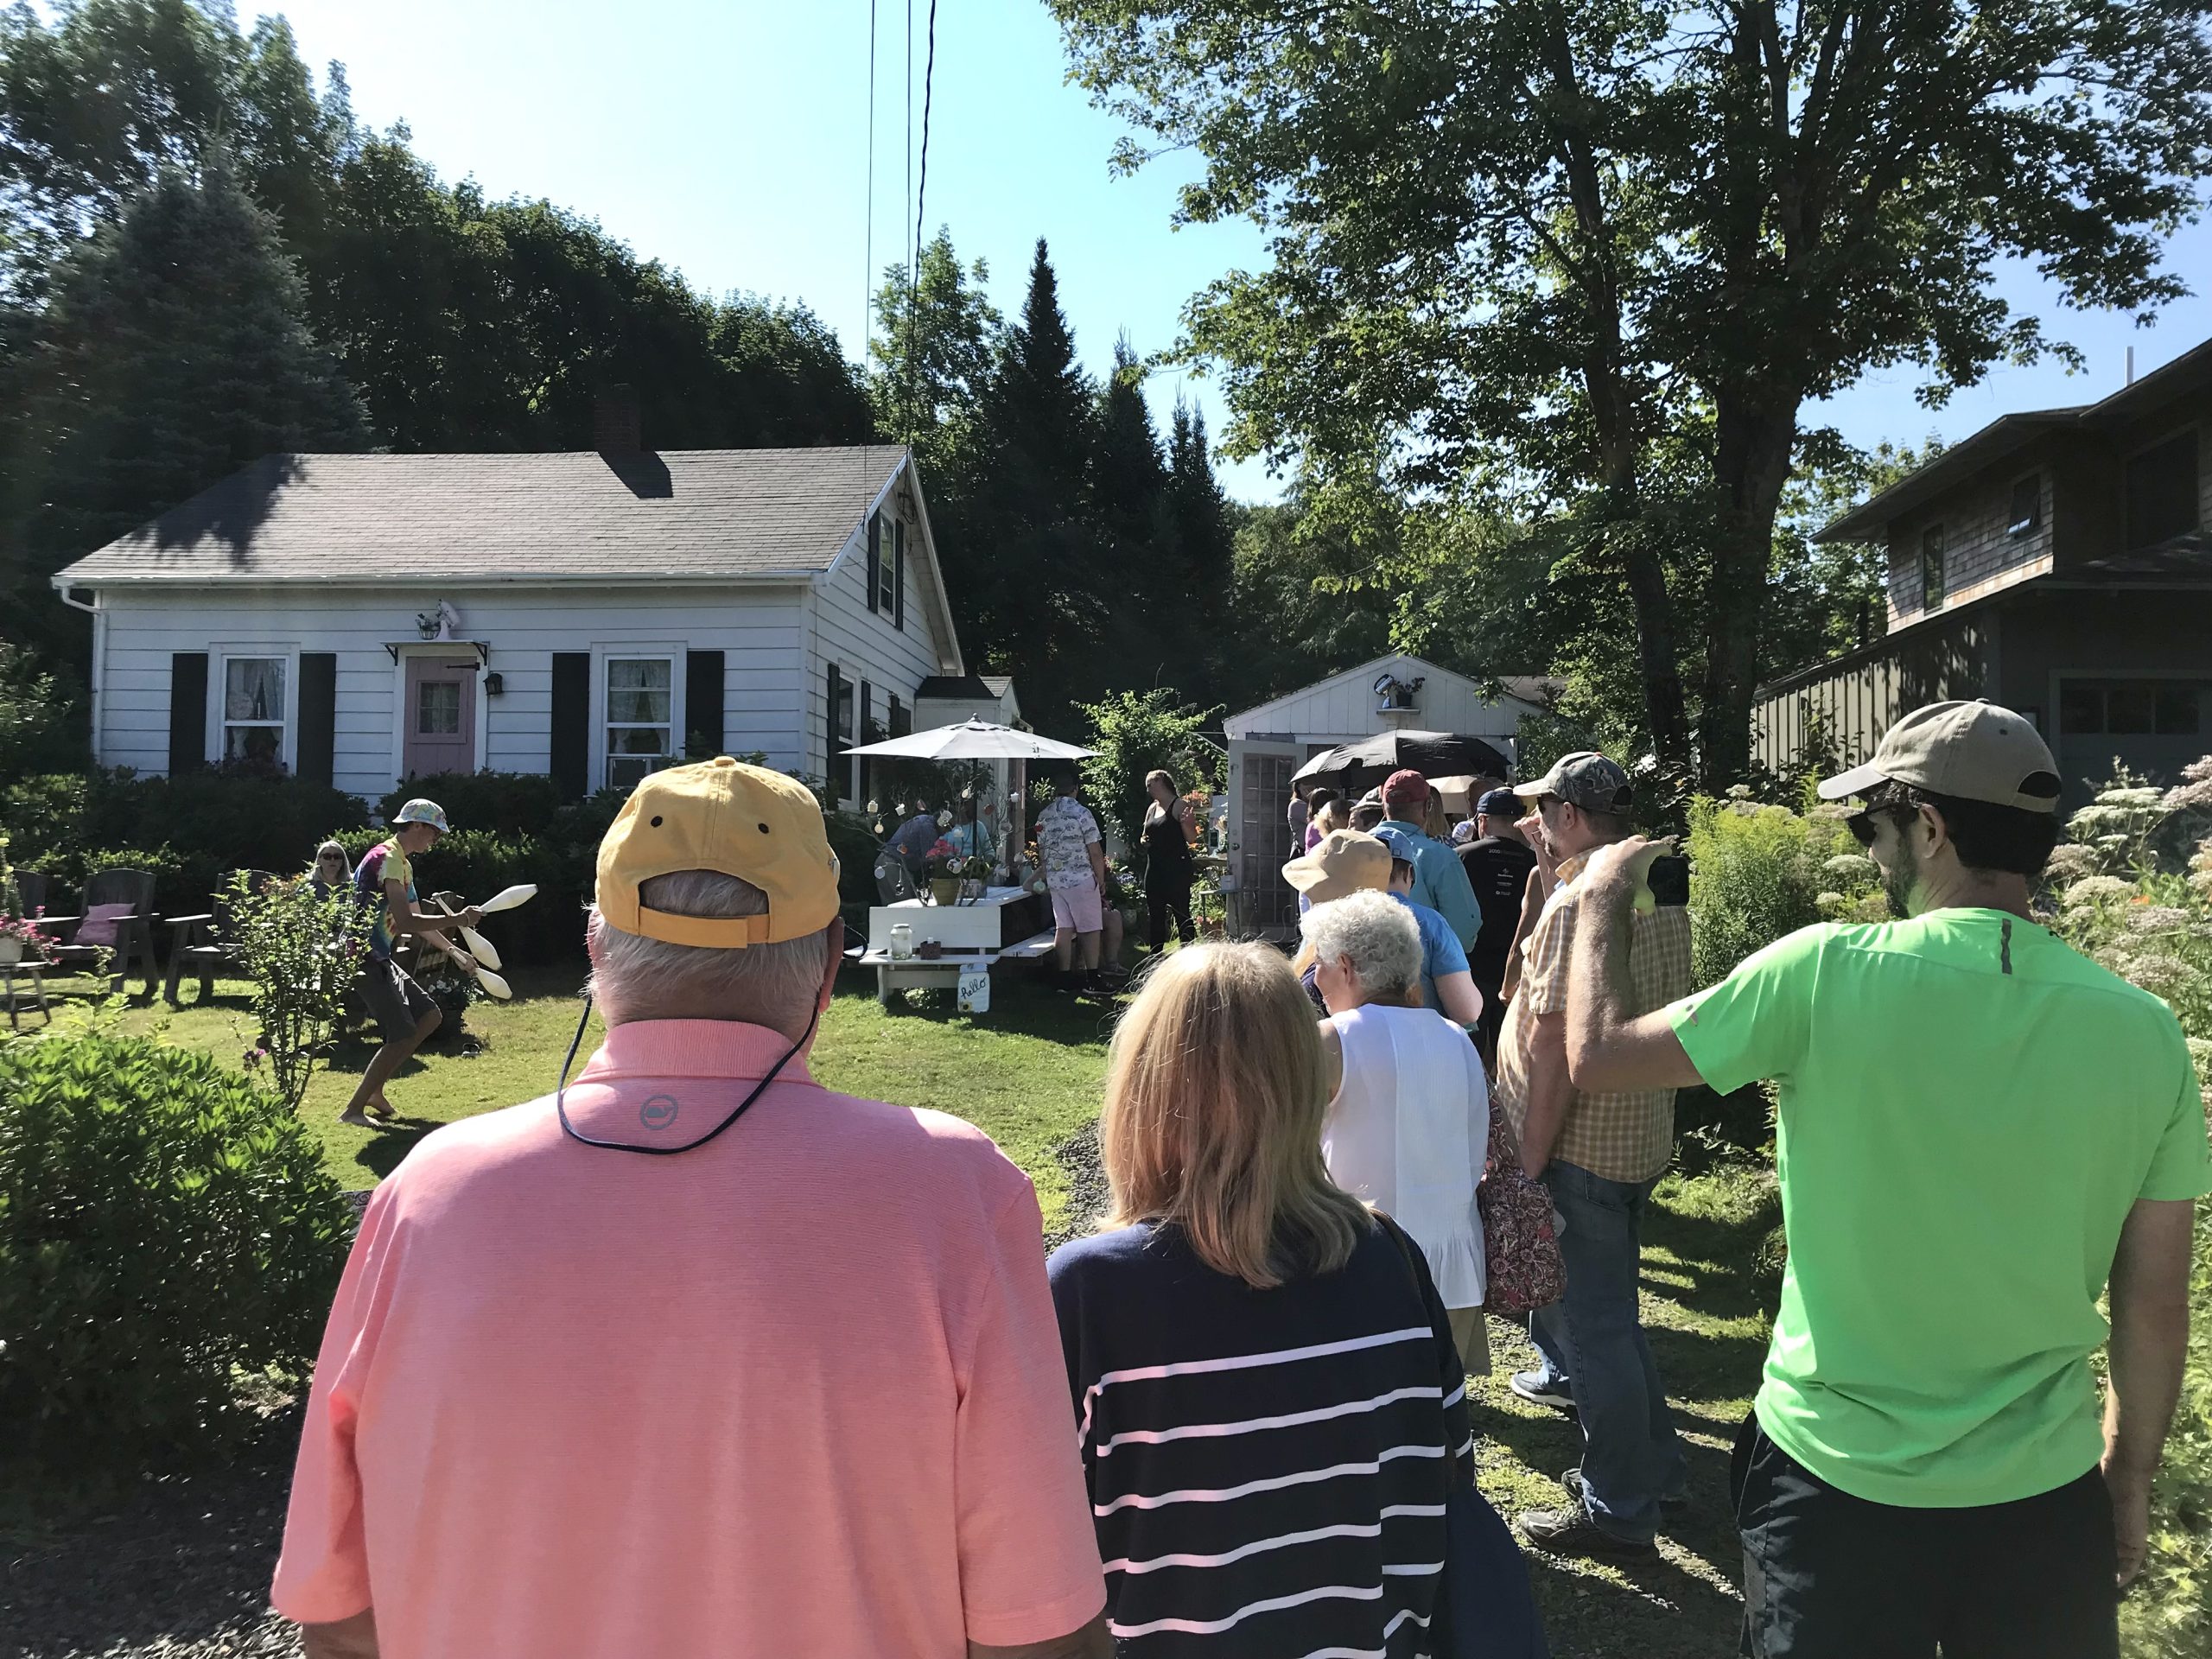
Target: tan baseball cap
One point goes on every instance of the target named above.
(1342, 862)
(1972, 751)
(757, 825)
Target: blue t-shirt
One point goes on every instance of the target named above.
(1268, 1460)
(1439, 949)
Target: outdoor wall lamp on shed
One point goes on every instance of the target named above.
(493, 684)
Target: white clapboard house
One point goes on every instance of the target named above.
(363, 619)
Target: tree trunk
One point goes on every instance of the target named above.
(1757, 435)
(1658, 655)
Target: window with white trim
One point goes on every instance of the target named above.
(253, 711)
(640, 717)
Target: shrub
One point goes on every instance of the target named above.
(300, 952)
(167, 1234)
(1758, 872)
(504, 802)
(1134, 733)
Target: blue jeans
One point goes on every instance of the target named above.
(1593, 1337)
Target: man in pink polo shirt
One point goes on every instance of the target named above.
(695, 1355)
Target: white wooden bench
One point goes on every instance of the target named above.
(941, 972)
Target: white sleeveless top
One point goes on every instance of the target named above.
(1409, 1131)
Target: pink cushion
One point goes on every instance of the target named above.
(99, 925)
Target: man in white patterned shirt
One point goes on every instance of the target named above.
(1600, 1155)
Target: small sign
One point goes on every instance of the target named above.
(975, 994)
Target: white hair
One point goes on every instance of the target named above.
(1375, 934)
(771, 985)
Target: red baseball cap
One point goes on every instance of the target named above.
(1407, 786)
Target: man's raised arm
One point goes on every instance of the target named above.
(1607, 1050)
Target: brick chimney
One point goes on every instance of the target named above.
(616, 427)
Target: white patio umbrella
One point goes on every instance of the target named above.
(973, 740)
(977, 740)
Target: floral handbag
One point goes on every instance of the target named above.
(1523, 1269)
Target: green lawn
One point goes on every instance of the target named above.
(1030, 1073)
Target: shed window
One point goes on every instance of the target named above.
(253, 710)
(2026, 513)
(641, 723)
(1931, 567)
(2162, 492)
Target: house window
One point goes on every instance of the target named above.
(1931, 567)
(2130, 707)
(640, 725)
(437, 709)
(253, 711)
(2162, 492)
(2026, 512)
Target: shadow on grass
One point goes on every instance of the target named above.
(1022, 1004)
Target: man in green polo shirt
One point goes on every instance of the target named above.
(1979, 1130)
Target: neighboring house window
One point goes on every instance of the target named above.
(2026, 512)
(253, 710)
(640, 727)
(2162, 492)
(2130, 707)
(1931, 567)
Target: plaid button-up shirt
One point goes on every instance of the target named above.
(1625, 1137)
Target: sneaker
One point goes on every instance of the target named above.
(1570, 1531)
(1543, 1389)
(1672, 1503)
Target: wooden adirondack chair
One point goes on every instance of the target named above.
(134, 932)
(196, 942)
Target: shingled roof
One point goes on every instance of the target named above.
(713, 514)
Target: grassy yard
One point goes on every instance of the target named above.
(1030, 1073)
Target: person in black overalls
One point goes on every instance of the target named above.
(1168, 865)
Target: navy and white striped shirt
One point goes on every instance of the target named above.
(1266, 1467)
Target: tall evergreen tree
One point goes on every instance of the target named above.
(1206, 534)
(174, 351)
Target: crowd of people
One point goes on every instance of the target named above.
(696, 1355)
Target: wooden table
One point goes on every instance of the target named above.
(35, 968)
(968, 935)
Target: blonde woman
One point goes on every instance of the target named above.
(1407, 1126)
(1269, 1406)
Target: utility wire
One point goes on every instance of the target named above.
(868, 253)
(921, 195)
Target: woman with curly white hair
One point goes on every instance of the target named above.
(1409, 1119)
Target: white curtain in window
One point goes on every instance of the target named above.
(638, 689)
(253, 688)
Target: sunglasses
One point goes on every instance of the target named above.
(1861, 823)
(333, 858)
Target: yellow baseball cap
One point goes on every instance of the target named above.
(757, 825)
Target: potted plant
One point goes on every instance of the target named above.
(948, 866)
(20, 938)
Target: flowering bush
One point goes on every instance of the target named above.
(301, 952)
(1762, 871)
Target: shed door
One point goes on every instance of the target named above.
(1263, 840)
(441, 714)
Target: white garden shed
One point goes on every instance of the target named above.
(1268, 744)
(362, 619)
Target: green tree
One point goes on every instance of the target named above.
(1136, 559)
(1139, 732)
(936, 337)
(175, 352)
(1541, 240)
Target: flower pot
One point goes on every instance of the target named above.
(945, 889)
(11, 950)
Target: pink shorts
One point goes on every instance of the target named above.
(1078, 908)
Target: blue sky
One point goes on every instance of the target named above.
(729, 139)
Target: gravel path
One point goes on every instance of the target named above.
(178, 1569)
(1078, 1156)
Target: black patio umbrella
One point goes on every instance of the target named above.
(1434, 755)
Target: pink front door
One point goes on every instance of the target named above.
(441, 716)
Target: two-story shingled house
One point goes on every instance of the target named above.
(2058, 562)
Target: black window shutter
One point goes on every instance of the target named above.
(836, 749)
(571, 728)
(898, 577)
(188, 711)
(865, 713)
(317, 749)
(703, 735)
(874, 556)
